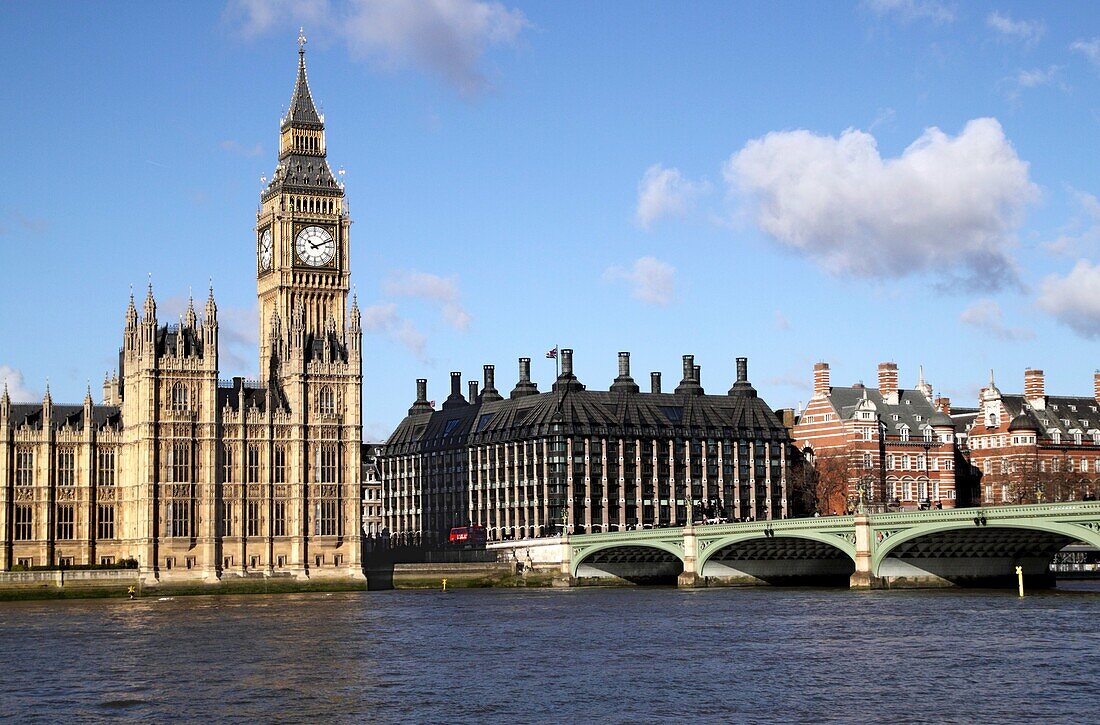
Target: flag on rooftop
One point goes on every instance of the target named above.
(553, 353)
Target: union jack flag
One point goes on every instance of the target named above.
(431, 403)
(553, 354)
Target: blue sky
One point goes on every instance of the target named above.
(899, 180)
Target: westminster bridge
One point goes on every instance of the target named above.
(976, 546)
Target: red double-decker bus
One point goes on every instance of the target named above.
(467, 537)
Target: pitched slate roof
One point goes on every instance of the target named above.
(1065, 414)
(64, 415)
(913, 409)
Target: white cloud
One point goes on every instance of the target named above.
(906, 11)
(1082, 231)
(383, 318)
(1014, 86)
(445, 37)
(651, 280)
(664, 192)
(18, 391)
(986, 315)
(946, 205)
(1026, 31)
(431, 287)
(1074, 300)
(1089, 48)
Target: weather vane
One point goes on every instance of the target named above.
(302, 37)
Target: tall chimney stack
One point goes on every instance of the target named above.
(888, 382)
(690, 383)
(566, 362)
(524, 386)
(455, 398)
(1096, 385)
(473, 385)
(689, 368)
(624, 383)
(490, 394)
(421, 404)
(1035, 387)
(821, 379)
(742, 370)
(655, 383)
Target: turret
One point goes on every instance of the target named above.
(355, 330)
(47, 408)
(5, 407)
(190, 319)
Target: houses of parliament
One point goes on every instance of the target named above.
(192, 476)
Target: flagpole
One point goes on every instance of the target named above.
(557, 356)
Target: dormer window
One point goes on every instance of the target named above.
(928, 435)
(894, 417)
(905, 433)
(1077, 438)
(1057, 436)
(1073, 408)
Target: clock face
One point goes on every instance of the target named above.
(265, 250)
(315, 246)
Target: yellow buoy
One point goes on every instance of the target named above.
(444, 585)
(1020, 578)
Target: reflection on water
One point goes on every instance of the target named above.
(554, 655)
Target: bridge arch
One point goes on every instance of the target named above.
(647, 561)
(962, 552)
(787, 557)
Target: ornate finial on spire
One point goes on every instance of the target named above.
(301, 40)
(47, 398)
(991, 383)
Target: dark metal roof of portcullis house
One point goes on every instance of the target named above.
(571, 408)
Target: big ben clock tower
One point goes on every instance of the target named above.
(301, 233)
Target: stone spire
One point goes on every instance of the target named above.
(5, 402)
(922, 385)
(211, 308)
(131, 312)
(150, 308)
(189, 318)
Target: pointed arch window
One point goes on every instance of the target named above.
(326, 401)
(179, 398)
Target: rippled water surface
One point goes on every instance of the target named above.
(736, 655)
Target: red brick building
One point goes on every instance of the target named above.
(897, 445)
(1036, 447)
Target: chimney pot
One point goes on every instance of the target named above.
(887, 378)
(473, 390)
(456, 384)
(567, 362)
(490, 377)
(421, 390)
(742, 370)
(821, 379)
(1034, 384)
(655, 382)
(525, 369)
(624, 364)
(689, 367)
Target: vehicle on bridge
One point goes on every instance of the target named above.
(467, 537)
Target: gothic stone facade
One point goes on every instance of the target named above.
(192, 476)
(584, 460)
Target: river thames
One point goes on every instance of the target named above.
(618, 655)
